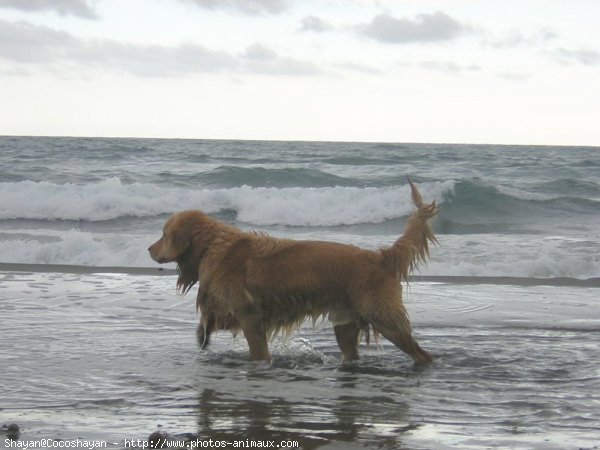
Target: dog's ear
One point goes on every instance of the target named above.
(189, 253)
(181, 239)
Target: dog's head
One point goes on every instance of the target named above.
(178, 233)
(187, 237)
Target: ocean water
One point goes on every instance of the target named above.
(96, 345)
(505, 211)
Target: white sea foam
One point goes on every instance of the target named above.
(112, 199)
(525, 195)
(464, 255)
(515, 255)
(75, 247)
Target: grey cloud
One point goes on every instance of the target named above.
(154, 60)
(360, 68)
(24, 43)
(586, 57)
(448, 67)
(260, 59)
(316, 24)
(516, 38)
(424, 28)
(15, 72)
(251, 7)
(79, 8)
(258, 52)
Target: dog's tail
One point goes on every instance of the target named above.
(412, 247)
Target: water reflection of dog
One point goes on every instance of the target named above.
(375, 422)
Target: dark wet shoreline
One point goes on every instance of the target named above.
(498, 280)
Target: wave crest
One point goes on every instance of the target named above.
(111, 199)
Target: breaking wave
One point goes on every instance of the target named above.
(111, 199)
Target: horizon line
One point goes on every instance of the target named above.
(74, 136)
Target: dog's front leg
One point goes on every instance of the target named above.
(203, 332)
(347, 338)
(207, 322)
(256, 335)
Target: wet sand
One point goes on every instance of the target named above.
(499, 280)
(110, 354)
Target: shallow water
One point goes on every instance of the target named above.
(113, 357)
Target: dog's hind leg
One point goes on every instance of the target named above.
(399, 333)
(381, 306)
(386, 314)
(347, 338)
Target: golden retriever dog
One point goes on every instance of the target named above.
(261, 285)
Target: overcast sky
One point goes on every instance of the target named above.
(461, 71)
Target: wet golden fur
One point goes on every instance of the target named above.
(261, 285)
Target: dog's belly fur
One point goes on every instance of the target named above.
(299, 280)
(286, 311)
(279, 311)
(280, 314)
